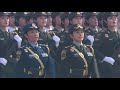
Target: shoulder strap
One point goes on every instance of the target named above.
(41, 72)
(86, 64)
(48, 49)
(91, 48)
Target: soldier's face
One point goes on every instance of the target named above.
(4, 21)
(58, 20)
(112, 21)
(32, 35)
(66, 22)
(12, 20)
(22, 21)
(77, 36)
(79, 20)
(30, 21)
(93, 21)
(74, 21)
(49, 20)
(41, 21)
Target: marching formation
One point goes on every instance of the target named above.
(59, 45)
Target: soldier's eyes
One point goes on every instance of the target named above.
(34, 32)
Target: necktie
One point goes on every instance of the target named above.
(35, 48)
(6, 35)
(81, 48)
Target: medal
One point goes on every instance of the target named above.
(106, 35)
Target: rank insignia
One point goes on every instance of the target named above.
(72, 50)
(89, 54)
(25, 50)
(119, 55)
(44, 55)
(2, 38)
(63, 55)
(106, 35)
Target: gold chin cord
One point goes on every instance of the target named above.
(41, 71)
(85, 72)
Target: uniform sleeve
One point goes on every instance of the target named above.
(21, 64)
(97, 47)
(51, 68)
(64, 69)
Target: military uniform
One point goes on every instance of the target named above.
(35, 60)
(95, 32)
(116, 56)
(8, 50)
(105, 47)
(76, 59)
(45, 36)
(29, 67)
(19, 30)
(77, 65)
(61, 32)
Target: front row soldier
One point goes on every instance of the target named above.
(8, 46)
(35, 60)
(105, 44)
(116, 56)
(76, 59)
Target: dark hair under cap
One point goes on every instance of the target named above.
(75, 27)
(90, 14)
(54, 14)
(37, 14)
(28, 27)
(108, 14)
(30, 15)
(65, 15)
(75, 14)
(5, 13)
(20, 14)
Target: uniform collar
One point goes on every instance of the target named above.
(44, 29)
(4, 30)
(94, 29)
(33, 45)
(112, 30)
(77, 43)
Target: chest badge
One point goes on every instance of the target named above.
(63, 55)
(106, 35)
(119, 55)
(44, 55)
(25, 50)
(71, 49)
(2, 38)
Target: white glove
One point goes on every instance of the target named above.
(3, 61)
(11, 29)
(109, 60)
(91, 38)
(56, 39)
(18, 39)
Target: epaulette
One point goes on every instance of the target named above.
(85, 45)
(46, 46)
(43, 45)
(24, 46)
(68, 46)
(50, 32)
